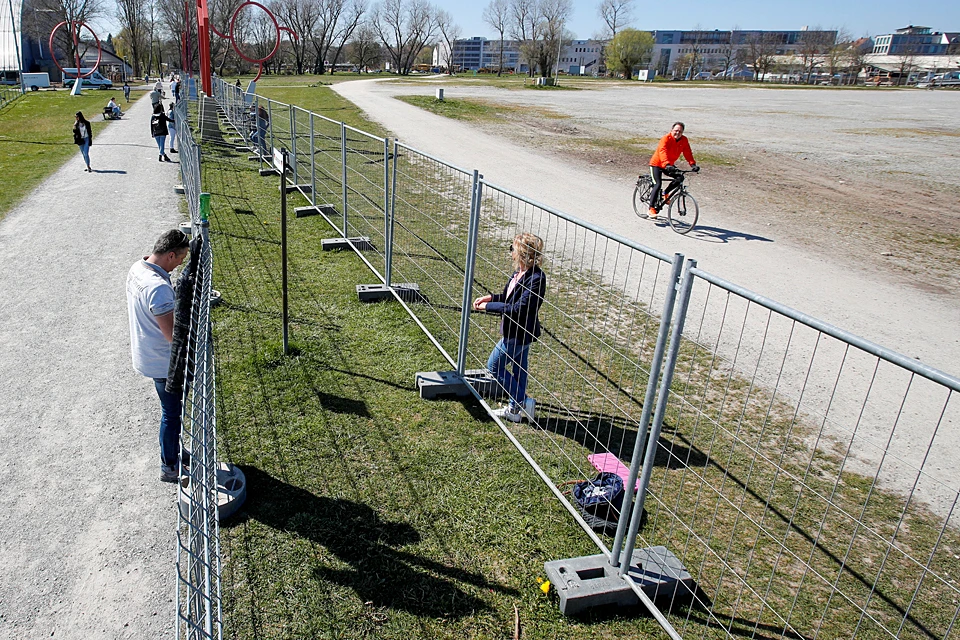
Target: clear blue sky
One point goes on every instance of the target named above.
(859, 17)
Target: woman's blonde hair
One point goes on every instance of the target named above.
(528, 251)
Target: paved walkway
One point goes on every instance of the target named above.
(87, 536)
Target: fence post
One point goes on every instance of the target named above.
(648, 402)
(270, 121)
(293, 143)
(388, 267)
(683, 300)
(313, 165)
(388, 245)
(343, 162)
(466, 306)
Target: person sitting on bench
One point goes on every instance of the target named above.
(114, 108)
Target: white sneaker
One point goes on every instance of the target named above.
(529, 408)
(506, 414)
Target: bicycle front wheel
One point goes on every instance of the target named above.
(683, 213)
(641, 195)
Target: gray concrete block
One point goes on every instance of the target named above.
(433, 384)
(269, 172)
(337, 244)
(326, 209)
(231, 492)
(484, 383)
(589, 581)
(408, 292)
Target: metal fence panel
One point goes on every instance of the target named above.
(431, 213)
(806, 479)
(591, 368)
(365, 171)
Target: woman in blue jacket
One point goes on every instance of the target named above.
(519, 304)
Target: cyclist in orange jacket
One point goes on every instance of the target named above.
(668, 151)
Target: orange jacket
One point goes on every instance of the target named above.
(669, 150)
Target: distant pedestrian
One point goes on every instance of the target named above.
(150, 308)
(172, 127)
(83, 138)
(155, 97)
(238, 82)
(175, 88)
(159, 85)
(159, 131)
(126, 91)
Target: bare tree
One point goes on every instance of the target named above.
(364, 48)
(554, 14)
(524, 22)
(728, 54)
(133, 18)
(906, 62)
(404, 28)
(814, 45)
(73, 45)
(760, 52)
(616, 15)
(497, 15)
(450, 32)
(300, 16)
(350, 18)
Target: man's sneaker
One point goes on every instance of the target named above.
(168, 473)
(174, 151)
(529, 408)
(507, 414)
(652, 214)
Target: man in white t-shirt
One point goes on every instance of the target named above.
(150, 306)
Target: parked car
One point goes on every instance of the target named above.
(93, 80)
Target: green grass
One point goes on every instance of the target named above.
(36, 137)
(370, 513)
(477, 110)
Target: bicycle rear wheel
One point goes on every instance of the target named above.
(641, 195)
(683, 212)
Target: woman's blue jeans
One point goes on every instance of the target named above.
(171, 409)
(161, 142)
(85, 151)
(512, 378)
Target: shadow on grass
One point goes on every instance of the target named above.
(380, 572)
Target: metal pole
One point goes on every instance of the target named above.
(343, 162)
(313, 166)
(283, 249)
(293, 142)
(388, 267)
(683, 299)
(388, 244)
(270, 124)
(468, 271)
(648, 403)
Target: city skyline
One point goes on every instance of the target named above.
(858, 17)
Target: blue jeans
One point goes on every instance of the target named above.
(515, 383)
(161, 141)
(85, 152)
(171, 409)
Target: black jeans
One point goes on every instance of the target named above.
(656, 174)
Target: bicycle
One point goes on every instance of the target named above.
(682, 208)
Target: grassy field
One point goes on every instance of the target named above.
(36, 137)
(371, 513)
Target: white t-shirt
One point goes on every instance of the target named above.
(149, 294)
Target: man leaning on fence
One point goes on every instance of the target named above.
(150, 306)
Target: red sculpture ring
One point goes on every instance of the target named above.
(233, 42)
(82, 25)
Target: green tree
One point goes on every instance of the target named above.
(629, 49)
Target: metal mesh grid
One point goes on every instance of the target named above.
(589, 371)
(431, 211)
(803, 484)
(366, 172)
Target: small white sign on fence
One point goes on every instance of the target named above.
(278, 159)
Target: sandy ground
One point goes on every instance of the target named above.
(88, 534)
(841, 204)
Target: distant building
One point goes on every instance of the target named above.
(471, 54)
(911, 40)
(582, 57)
(719, 51)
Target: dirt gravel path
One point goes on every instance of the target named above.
(87, 538)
